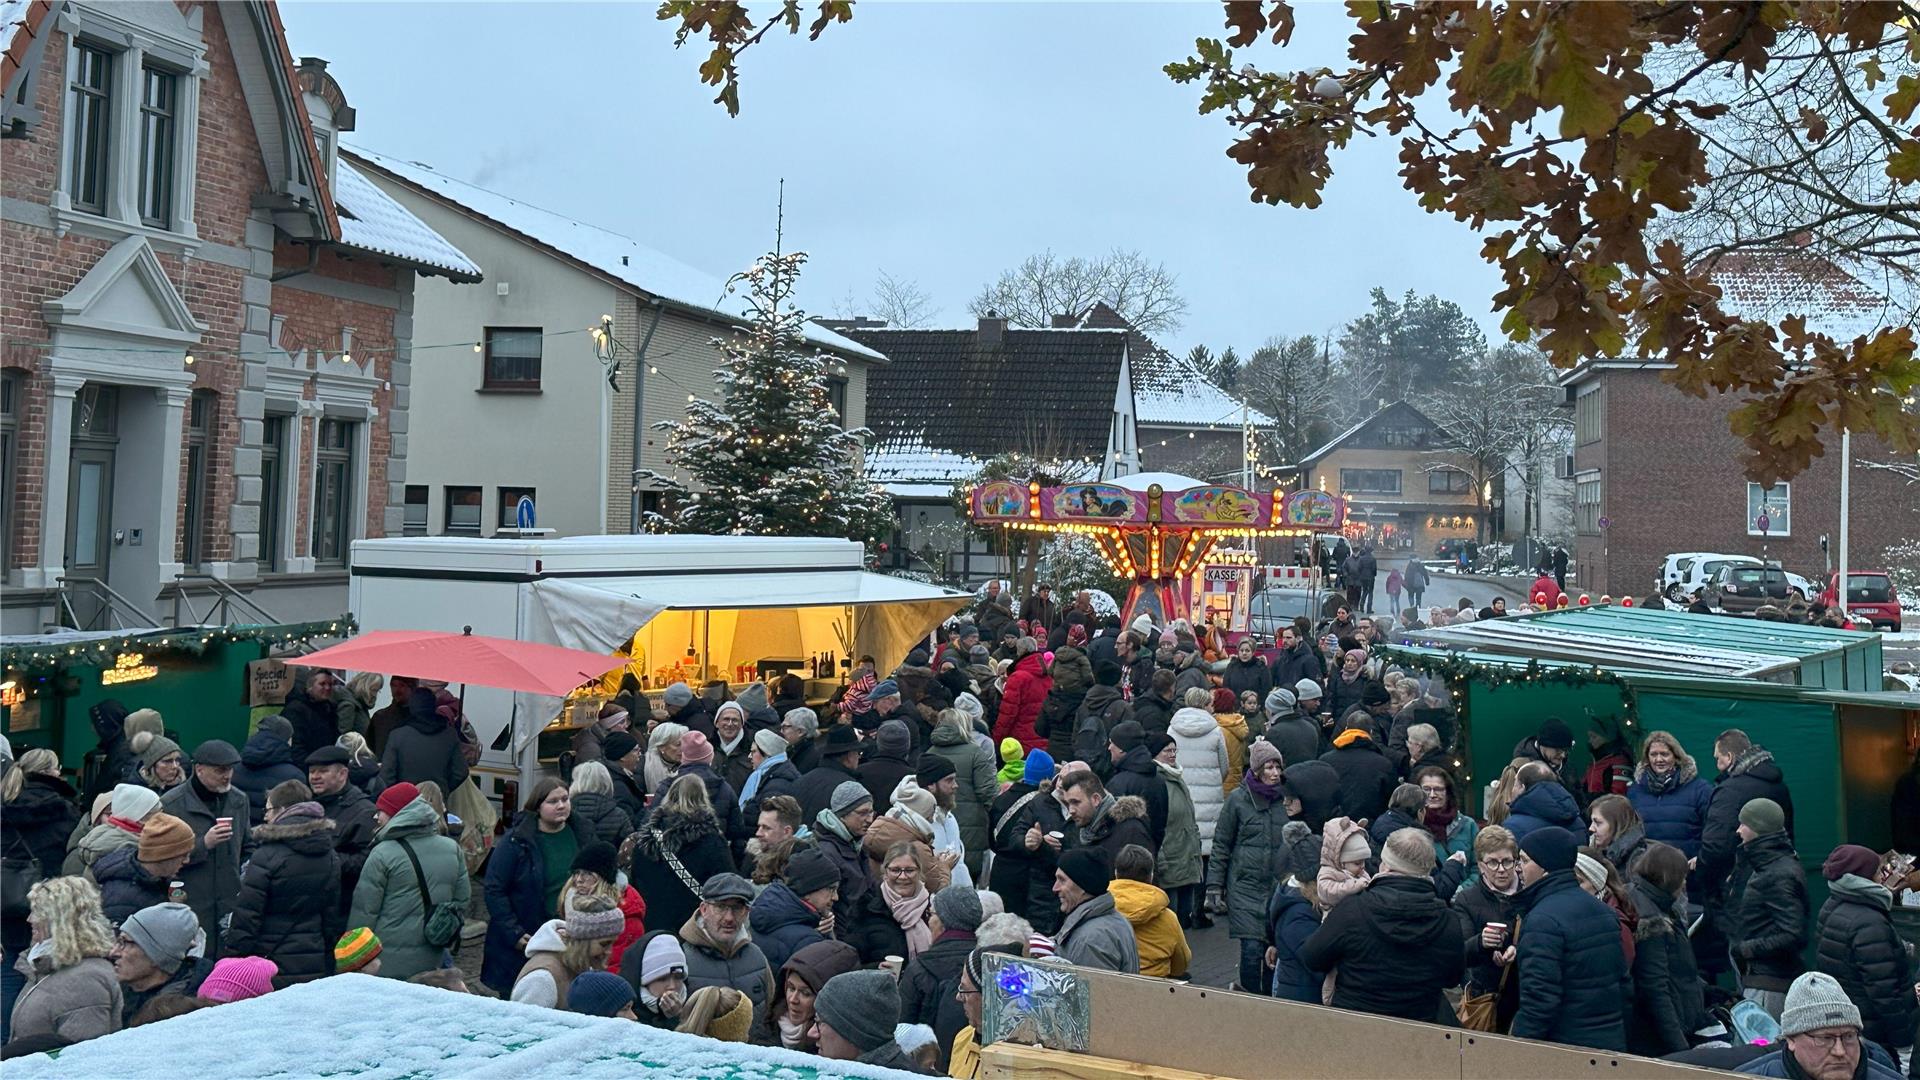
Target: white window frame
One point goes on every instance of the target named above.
(1580, 490)
(136, 45)
(1757, 497)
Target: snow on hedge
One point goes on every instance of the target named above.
(362, 1026)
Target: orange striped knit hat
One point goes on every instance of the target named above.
(355, 948)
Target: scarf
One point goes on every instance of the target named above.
(1660, 783)
(1269, 792)
(921, 827)
(829, 822)
(1439, 821)
(134, 827)
(793, 1035)
(1011, 772)
(1351, 736)
(752, 787)
(911, 913)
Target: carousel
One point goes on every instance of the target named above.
(1156, 529)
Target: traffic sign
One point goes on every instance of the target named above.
(1605, 521)
(523, 512)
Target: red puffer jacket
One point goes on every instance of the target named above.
(1027, 688)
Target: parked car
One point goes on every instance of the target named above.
(1869, 595)
(1805, 586)
(1739, 589)
(1684, 572)
(1273, 609)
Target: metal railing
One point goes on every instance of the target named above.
(107, 606)
(226, 602)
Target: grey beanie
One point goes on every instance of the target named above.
(278, 726)
(769, 743)
(1815, 1000)
(958, 906)
(677, 695)
(849, 794)
(167, 933)
(895, 737)
(1307, 690)
(1280, 701)
(862, 1006)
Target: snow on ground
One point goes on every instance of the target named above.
(362, 1026)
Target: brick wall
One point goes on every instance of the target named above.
(1671, 481)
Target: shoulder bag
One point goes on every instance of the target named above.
(442, 922)
(673, 864)
(1481, 1012)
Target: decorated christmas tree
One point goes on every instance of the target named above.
(770, 458)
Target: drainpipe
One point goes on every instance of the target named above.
(639, 400)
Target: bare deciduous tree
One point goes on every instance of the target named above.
(1145, 293)
(1290, 380)
(902, 302)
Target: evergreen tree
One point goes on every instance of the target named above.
(770, 458)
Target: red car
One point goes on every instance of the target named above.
(1869, 596)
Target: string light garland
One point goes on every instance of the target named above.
(191, 641)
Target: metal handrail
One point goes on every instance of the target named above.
(225, 599)
(114, 604)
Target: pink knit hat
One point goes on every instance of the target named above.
(695, 749)
(238, 978)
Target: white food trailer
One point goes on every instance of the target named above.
(684, 608)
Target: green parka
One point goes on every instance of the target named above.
(1246, 841)
(387, 899)
(973, 767)
(1179, 855)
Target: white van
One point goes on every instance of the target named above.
(1686, 571)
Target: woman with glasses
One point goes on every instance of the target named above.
(895, 918)
(1485, 910)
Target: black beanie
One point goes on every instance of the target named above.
(1089, 868)
(1554, 734)
(1126, 735)
(597, 857)
(1106, 673)
(1552, 848)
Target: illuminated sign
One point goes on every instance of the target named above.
(128, 667)
(12, 694)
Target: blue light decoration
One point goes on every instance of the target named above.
(1035, 1002)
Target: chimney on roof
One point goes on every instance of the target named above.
(993, 328)
(1065, 321)
(313, 64)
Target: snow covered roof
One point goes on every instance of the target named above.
(1843, 301)
(1168, 391)
(647, 269)
(908, 459)
(371, 220)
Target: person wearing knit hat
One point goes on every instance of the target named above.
(618, 745)
(1262, 752)
(1766, 907)
(238, 978)
(919, 1044)
(963, 1052)
(166, 843)
(564, 948)
(848, 797)
(1569, 958)
(796, 909)
(137, 875)
(1039, 767)
(718, 1012)
(1306, 691)
(1823, 1032)
(1093, 933)
(1011, 763)
(161, 760)
(601, 993)
(769, 743)
(933, 769)
(677, 696)
(695, 749)
(358, 950)
(1550, 744)
(121, 813)
(854, 1015)
(393, 798)
(165, 935)
(1853, 859)
(958, 908)
(1761, 817)
(132, 802)
(1592, 873)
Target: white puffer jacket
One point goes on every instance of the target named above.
(1202, 756)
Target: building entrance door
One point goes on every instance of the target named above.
(90, 533)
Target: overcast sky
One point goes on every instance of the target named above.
(939, 142)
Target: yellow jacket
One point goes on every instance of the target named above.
(965, 1062)
(1234, 727)
(1156, 931)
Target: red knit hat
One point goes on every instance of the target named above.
(395, 797)
(1225, 700)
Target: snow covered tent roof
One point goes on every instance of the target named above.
(372, 221)
(951, 398)
(1168, 391)
(622, 258)
(345, 1026)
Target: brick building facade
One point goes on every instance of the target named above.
(206, 319)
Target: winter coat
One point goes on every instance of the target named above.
(974, 768)
(96, 843)
(872, 929)
(1474, 906)
(1291, 921)
(1157, 936)
(516, 894)
(1859, 947)
(854, 878)
(1024, 879)
(1246, 846)
(1753, 775)
(1096, 935)
(1233, 730)
(1394, 949)
(266, 760)
(781, 778)
(212, 878)
(913, 680)
(425, 748)
(881, 773)
(1572, 973)
(387, 898)
(1136, 773)
(315, 723)
(1201, 751)
(1544, 804)
(634, 909)
(1668, 996)
(126, 886)
(1179, 861)
(545, 977)
(726, 802)
(888, 831)
(1610, 773)
(782, 923)
(1191, 676)
(1343, 693)
(1767, 913)
(927, 986)
(1027, 687)
(352, 815)
(1296, 737)
(1775, 1064)
(1676, 815)
(37, 824)
(1367, 778)
(815, 786)
(734, 767)
(1072, 671)
(1059, 715)
(739, 964)
(602, 816)
(1244, 675)
(702, 851)
(1462, 831)
(1299, 662)
(1101, 709)
(288, 909)
(78, 1002)
(1153, 713)
(1117, 822)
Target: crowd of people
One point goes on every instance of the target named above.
(1044, 784)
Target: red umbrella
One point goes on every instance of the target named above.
(466, 658)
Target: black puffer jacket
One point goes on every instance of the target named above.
(315, 723)
(701, 850)
(1767, 912)
(927, 987)
(1366, 777)
(1753, 775)
(602, 815)
(266, 760)
(1668, 997)
(288, 909)
(1395, 947)
(125, 885)
(352, 815)
(424, 748)
(1137, 774)
(1572, 974)
(782, 923)
(1858, 947)
(36, 823)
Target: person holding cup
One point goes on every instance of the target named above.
(217, 815)
(1484, 908)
